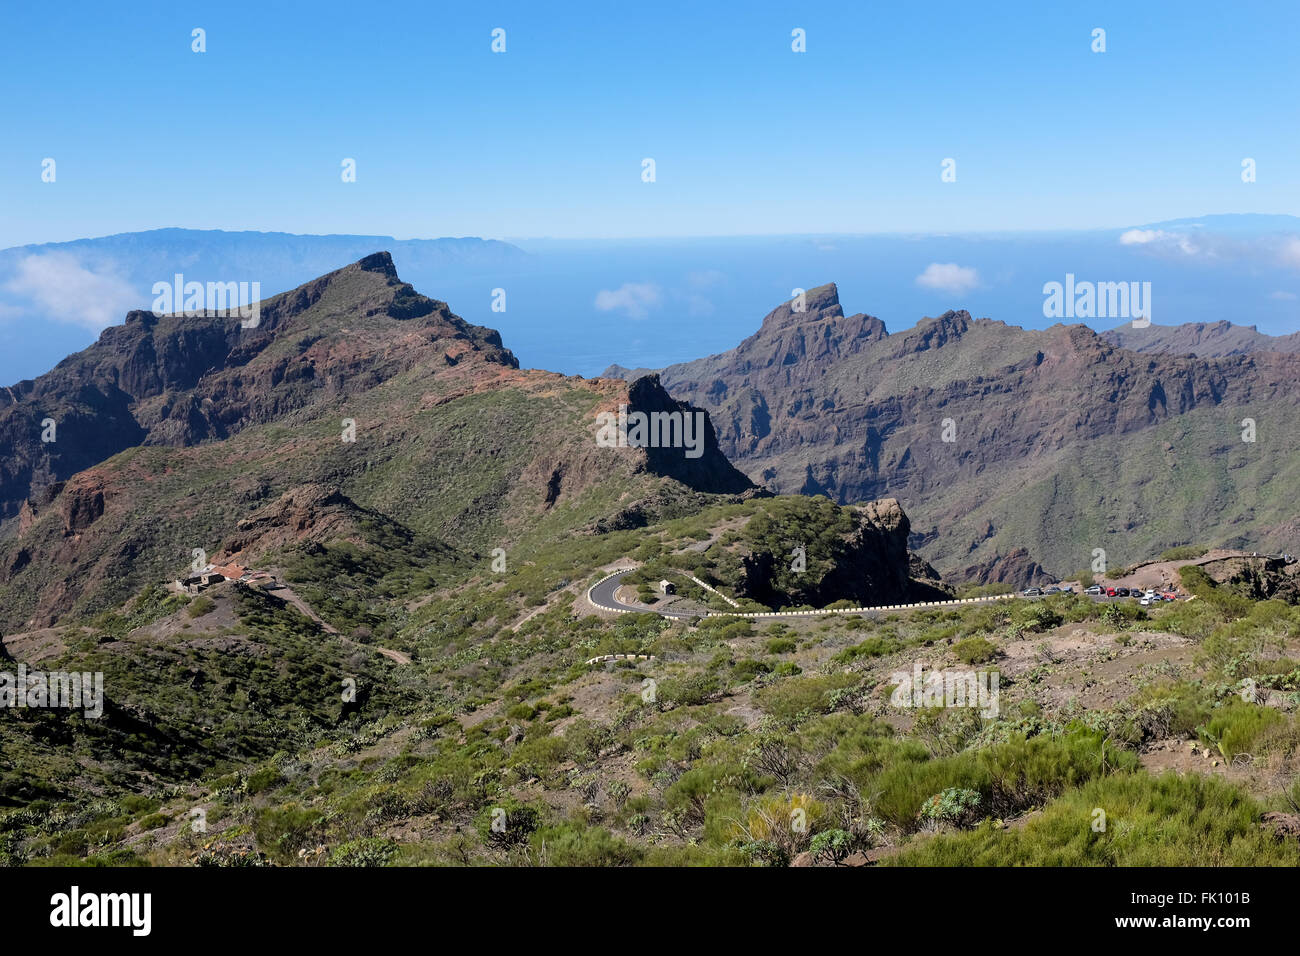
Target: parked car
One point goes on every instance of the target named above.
(1121, 592)
(1069, 590)
(1111, 592)
(1094, 589)
(1147, 600)
(1052, 590)
(1031, 592)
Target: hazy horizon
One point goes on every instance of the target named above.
(671, 300)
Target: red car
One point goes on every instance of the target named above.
(1110, 592)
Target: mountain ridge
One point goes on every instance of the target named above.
(1202, 339)
(1041, 422)
(354, 391)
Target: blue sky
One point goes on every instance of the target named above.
(547, 139)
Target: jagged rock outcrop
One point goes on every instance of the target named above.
(1258, 578)
(708, 470)
(867, 563)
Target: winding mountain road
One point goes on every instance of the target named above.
(603, 594)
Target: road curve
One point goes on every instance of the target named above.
(603, 595)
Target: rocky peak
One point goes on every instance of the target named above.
(819, 304)
(380, 262)
(933, 333)
(819, 333)
(181, 379)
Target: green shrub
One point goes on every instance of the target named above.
(799, 695)
(1235, 727)
(1197, 582)
(200, 606)
(975, 650)
(1162, 710)
(1193, 820)
(832, 846)
(874, 646)
(263, 779)
(506, 824)
(572, 844)
(746, 670)
(1185, 552)
(285, 829)
(367, 852)
(136, 803)
(687, 691)
(1009, 777)
(690, 795)
(955, 806)
(521, 712)
(1038, 616)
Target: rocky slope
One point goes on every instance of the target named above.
(1258, 578)
(998, 439)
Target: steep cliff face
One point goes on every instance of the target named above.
(702, 467)
(998, 438)
(179, 380)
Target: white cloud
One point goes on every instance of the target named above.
(62, 289)
(1140, 237)
(948, 277)
(1277, 249)
(1159, 237)
(633, 299)
(1282, 296)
